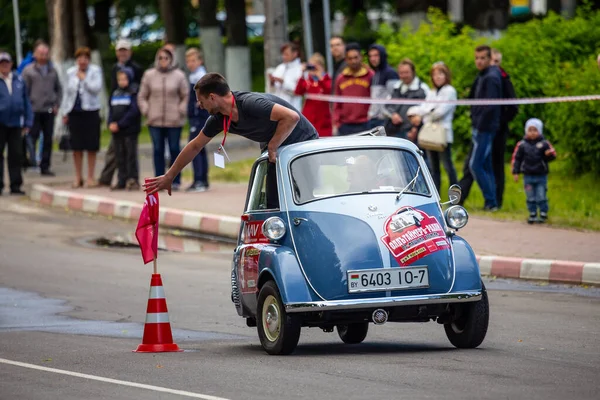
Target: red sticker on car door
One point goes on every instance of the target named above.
(411, 234)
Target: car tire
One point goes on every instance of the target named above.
(469, 330)
(278, 331)
(353, 333)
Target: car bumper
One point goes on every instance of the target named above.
(317, 306)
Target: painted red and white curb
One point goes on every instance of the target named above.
(228, 227)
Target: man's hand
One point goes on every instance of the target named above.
(55, 110)
(516, 177)
(113, 127)
(396, 119)
(24, 131)
(272, 154)
(153, 185)
(65, 119)
(412, 134)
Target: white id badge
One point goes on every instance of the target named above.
(219, 160)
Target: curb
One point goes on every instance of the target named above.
(228, 227)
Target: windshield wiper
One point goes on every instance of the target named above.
(412, 182)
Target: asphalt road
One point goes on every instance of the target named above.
(77, 311)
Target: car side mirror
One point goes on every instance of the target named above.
(454, 194)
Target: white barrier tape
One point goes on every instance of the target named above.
(157, 318)
(465, 102)
(157, 292)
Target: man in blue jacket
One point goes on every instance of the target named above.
(381, 85)
(16, 119)
(485, 122)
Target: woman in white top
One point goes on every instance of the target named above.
(81, 113)
(444, 114)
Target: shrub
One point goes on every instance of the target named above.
(544, 57)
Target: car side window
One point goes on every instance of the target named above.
(258, 193)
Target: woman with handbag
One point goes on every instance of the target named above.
(436, 135)
(81, 113)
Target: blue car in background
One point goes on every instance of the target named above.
(360, 236)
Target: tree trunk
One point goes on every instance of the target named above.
(60, 30)
(210, 37)
(81, 25)
(171, 12)
(275, 34)
(237, 54)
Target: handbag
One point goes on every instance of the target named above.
(432, 136)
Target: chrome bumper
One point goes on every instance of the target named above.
(317, 306)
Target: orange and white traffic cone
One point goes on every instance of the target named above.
(157, 330)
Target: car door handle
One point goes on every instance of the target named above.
(298, 221)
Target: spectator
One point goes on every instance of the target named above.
(163, 100)
(81, 112)
(316, 81)
(444, 115)
(124, 122)
(338, 53)
(45, 92)
(409, 87)
(485, 122)
(16, 118)
(354, 80)
(531, 157)
(123, 53)
(287, 74)
(197, 118)
(384, 75)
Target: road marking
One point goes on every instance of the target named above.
(114, 381)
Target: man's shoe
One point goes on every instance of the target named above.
(197, 187)
(543, 216)
(47, 172)
(532, 218)
(132, 185)
(17, 192)
(491, 209)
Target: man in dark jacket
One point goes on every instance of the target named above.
(16, 118)
(507, 113)
(45, 93)
(123, 52)
(338, 53)
(384, 75)
(485, 122)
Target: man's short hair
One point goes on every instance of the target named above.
(40, 42)
(337, 37)
(353, 46)
(486, 48)
(289, 45)
(410, 63)
(194, 51)
(212, 83)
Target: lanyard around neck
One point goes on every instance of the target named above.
(227, 121)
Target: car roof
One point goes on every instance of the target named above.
(338, 142)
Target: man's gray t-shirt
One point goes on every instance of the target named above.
(254, 122)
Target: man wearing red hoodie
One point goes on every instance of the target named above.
(354, 80)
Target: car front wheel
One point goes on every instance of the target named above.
(468, 330)
(278, 331)
(353, 333)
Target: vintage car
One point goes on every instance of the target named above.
(358, 235)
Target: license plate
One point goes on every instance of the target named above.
(372, 280)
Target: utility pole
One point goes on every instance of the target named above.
(18, 45)
(327, 22)
(307, 28)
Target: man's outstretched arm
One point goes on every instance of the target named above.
(287, 120)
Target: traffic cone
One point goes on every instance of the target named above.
(157, 330)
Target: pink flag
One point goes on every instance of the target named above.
(147, 228)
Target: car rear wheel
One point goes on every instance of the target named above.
(468, 330)
(353, 333)
(278, 331)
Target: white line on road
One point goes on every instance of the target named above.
(114, 381)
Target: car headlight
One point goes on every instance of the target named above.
(273, 228)
(457, 217)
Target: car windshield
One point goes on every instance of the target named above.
(344, 172)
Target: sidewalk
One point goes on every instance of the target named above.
(505, 248)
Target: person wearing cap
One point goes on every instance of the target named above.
(81, 113)
(124, 60)
(45, 91)
(163, 100)
(16, 118)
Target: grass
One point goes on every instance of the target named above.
(574, 201)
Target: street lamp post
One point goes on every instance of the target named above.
(17, 31)
(326, 15)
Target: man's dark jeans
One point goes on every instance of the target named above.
(159, 136)
(43, 122)
(480, 164)
(351, 129)
(200, 162)
(11, 137)
(127, 160)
